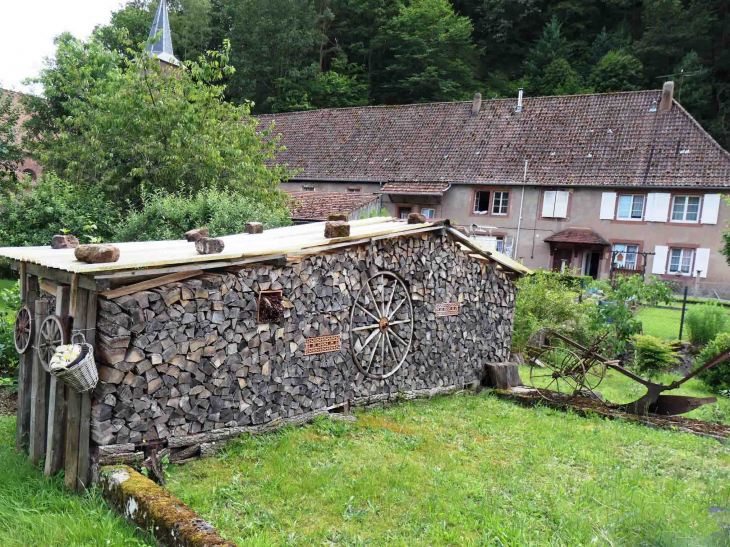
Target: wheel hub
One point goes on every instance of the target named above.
(384, 324)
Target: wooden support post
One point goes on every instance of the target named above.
(74, 294)
(39, 383)
(71, 464)
(25, 368)
(57, 401)
(85, 420)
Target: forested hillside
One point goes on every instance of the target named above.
(306, 54)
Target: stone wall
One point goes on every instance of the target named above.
(190, 357)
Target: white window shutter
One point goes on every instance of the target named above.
(710, 209)
(548, 204)
(608, 205)
(657, 207)
(561, 204)
(660, 259)
(702, 262)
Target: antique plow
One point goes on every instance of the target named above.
(582, 369)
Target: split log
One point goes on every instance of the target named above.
(336, 228)
(209, 246)
(64, 242)
(195, 235)
(341, 217)
(502, 375)
(254, 228)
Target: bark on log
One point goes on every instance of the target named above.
(502, 375)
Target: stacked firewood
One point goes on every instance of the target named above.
(189, 358)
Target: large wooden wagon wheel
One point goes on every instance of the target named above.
(51, 334)
(557, 370)
(381, 325)
(23, 330)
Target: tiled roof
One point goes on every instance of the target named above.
(415, 188)
(317, 205)
(577, 235)
(602, 139)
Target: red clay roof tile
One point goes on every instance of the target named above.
(317, 205)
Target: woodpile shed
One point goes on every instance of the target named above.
(279, 327)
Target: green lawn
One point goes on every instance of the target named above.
(618, 388)
(38, 512)
(664, 323)
(464, 470)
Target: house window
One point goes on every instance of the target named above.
(428, 212)
(680, 261)
(353, 189)
(500, 203)
(555, 204)
(500, 244)
(625, 256)
(403, 212)
(686, 208)
(630, 207)
(481, 203)
(308, 188)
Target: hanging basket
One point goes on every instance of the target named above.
(81, 375)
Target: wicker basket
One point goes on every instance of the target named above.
(81, 375)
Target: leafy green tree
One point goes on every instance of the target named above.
(11, 152)
(140, 128)
(428, 55)
(558, 78)
(617, 71)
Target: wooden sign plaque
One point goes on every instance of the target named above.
(322, 344)
(446, 308)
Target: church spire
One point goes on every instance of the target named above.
(163, 47)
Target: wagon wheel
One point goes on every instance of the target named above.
(595, 371)
(51, 334)
(381, 325)
(556, 370)
(23, 330)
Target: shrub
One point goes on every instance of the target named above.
(168, 216)
(653, 356)
(31, 216)
(569, 281)
(543, 301)
(705, 322)
(718, 377)
(9, 305)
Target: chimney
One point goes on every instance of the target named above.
(667, 94)
(477, 104)
(519, 101)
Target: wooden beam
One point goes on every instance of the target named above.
(57, 400)
(25, 369)
(61, 276)
(73, 421)
(38, 413)
(74, 294)
(150, 284)
(50, 287)
(23, 280)
(85, 419)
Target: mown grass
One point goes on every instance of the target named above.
(664, 322)
(471, 470)
(39, 512)
(618, 388)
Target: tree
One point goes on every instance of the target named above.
(273, 45)
(550, 46)
(141, 128)
(558, 78)
(11, 152)
(617, 71)
(429, 55)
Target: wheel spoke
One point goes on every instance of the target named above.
(399, 338)
(382, 351)
(368, 340)
(390, 346)
(393, 323)
(372, 354)
(366, 311)
(367, 327)
(390, 300)
(397, 307)
(375, 302)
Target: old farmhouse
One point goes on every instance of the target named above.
(594, 183)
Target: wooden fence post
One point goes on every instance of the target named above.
(29, 294)
(73, 421)
(39, 384)
(85, 420)
(57, 400)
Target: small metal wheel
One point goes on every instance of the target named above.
(556, 370)
(23, 330)
(51, 334)
(381, 325)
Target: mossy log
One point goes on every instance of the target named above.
(148, 506)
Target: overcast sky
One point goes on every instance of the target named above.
(28, 27)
